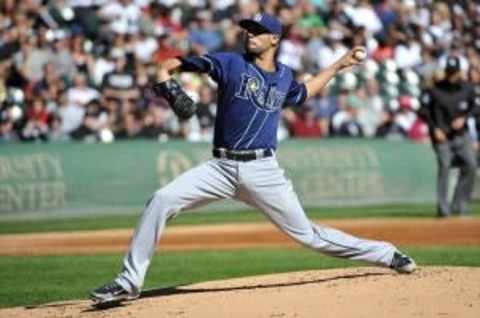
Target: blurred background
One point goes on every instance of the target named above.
(81, 69)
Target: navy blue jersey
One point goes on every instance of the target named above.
(249, 99)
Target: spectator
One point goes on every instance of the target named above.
(205, 116)
(116, 46)
(324, 106)
(31, 58)
(157, 123)
(345, 122)
(7, 133)
(55, 129)
(332, 50)
(70, 114)
(144, 47)
(364, 15)
(63, 59)
(123, 16)
(304, 123)
(120, 83)
(36, 126)
(406, 117)
(292, 50)
(96, 118)
(204, 36)
(370, 107)
(50, 85)
(389, 129)
(166, 49)
(131, 127)
(408, 53)
(80, 93)
(82, 60)
(9, 115)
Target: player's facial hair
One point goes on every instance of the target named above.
(259, 49)
(247, 49)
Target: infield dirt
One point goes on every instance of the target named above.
(412, 232)
(342, 293)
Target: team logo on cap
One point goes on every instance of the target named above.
(258, 17)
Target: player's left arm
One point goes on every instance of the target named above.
(167, 87)
(349, 59)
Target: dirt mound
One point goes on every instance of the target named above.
(361, 292)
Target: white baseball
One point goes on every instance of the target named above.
(360, 55)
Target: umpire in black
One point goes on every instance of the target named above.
(446, 107)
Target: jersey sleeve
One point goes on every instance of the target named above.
(214, 64)
(297, 93)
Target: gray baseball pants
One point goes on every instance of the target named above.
(260, 183)
(461, 147)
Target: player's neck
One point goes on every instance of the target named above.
(266, 61)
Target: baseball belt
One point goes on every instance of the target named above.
(242, 155)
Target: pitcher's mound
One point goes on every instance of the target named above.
(355, 293)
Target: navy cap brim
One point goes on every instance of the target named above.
(248, 24)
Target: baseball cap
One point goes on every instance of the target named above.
(452, 65)
(263, 21)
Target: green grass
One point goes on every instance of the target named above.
(41, 279)
(129, 221)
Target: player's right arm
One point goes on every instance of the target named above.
(318, 82)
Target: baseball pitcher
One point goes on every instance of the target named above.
(252, 89)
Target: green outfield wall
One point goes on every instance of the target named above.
(72, 178)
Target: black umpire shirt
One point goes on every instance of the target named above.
(447, 101)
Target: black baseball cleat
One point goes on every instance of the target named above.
(403, 264)
(112, 293)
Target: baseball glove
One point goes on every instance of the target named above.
(182, 105)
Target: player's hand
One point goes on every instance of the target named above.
(163, 75)
(439, 135)
(167, 68)
(458, 123)
(354, 57)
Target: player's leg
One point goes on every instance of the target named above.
(208, 182)
(464, 187)
(444, 160)
(265, 187)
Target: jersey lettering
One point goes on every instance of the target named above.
(267, 98)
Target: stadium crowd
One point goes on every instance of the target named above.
(82, 69)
